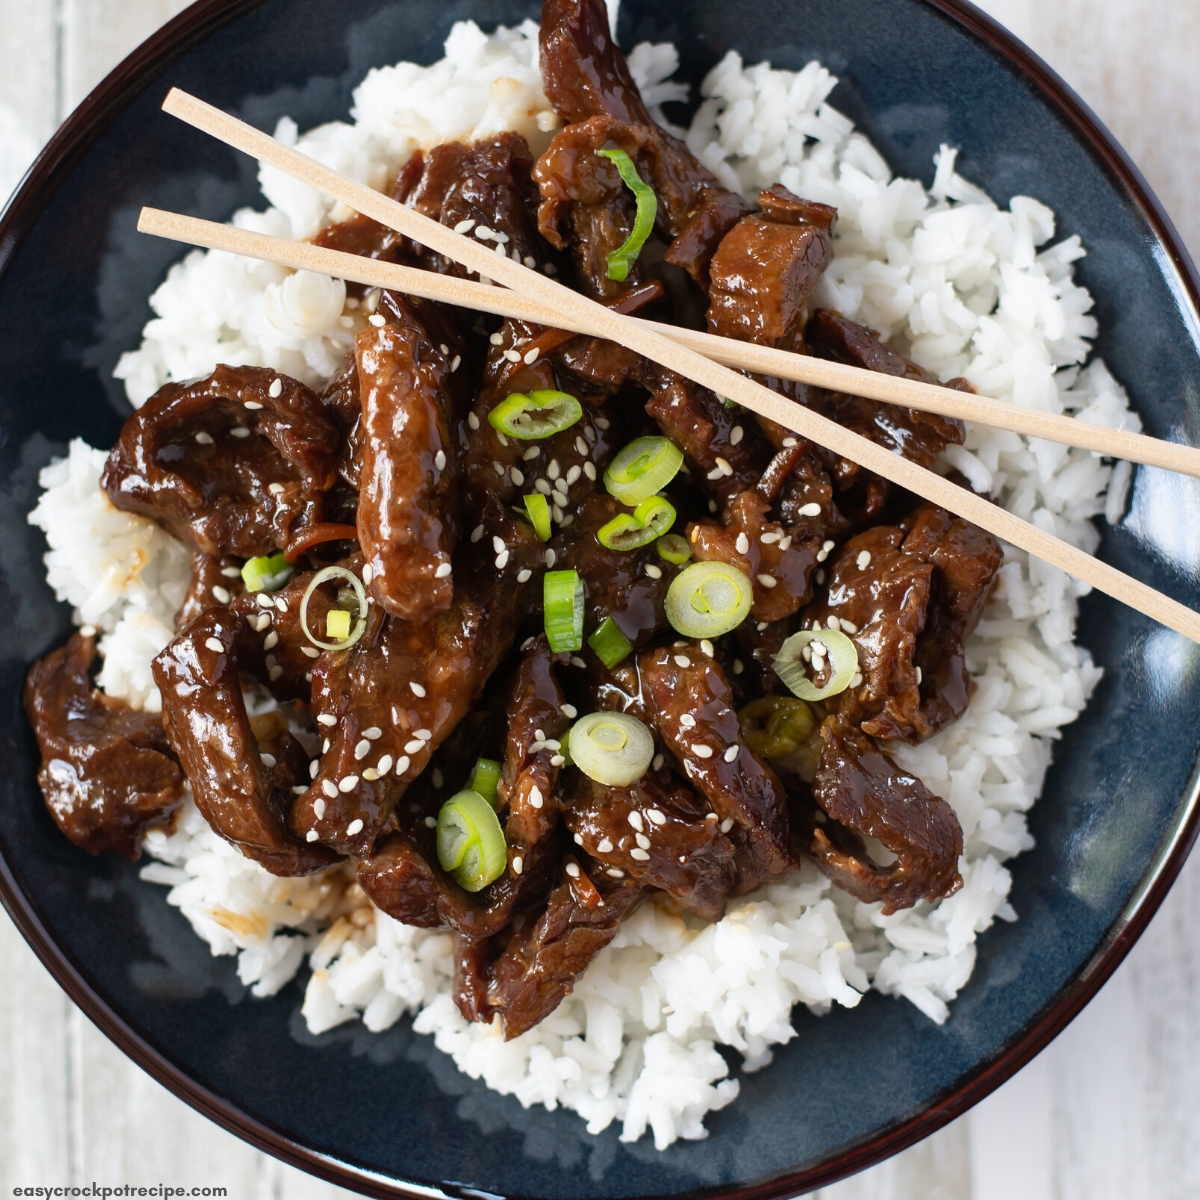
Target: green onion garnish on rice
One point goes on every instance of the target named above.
(622, 259)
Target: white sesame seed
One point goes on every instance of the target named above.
(724, 466)
(476, 533)
(682, 660)
(311, 835)
(501, 560)
(500, 236)
(831, 622)
(738, 666)
(711, 817)
(918, 676)
(557, 760)
(784, 543)
(549, 558)
(863, 561)
(657, 816)
(268, 760)
(820, 575)
(437, 777)
(576, 661)
(849, 626)
(472, 420)
(281, 605)
(356, 825)
(239, 431)
(439, 460)
(319, 806)
(712, 506)
(455, 363)
(362, 749)
(550, 269)
(706, 646)
(577, 838)
(731, 753)
(385, 764)
(573, 475)
(735, 435)
(518, 865)
(431, 822)
(553, 470)
(643, 841)
(271, 640)
(276, 489)
(589, 469)
(423, 734)
(581, 447)
(414, 746)
(220, 594)
(531, 356)
(377, 320)
(727, 825)
(371, 774)
(856, 679)
(512, 355)
(497, 339)
(635, 819)
(348, 784)
(524, 575)
(215, 645)
(769, 537)
(271, 660)
(465, 226)
(572, 870)
(715, 473)
(329, 788)
(205, 439)
(542, 486)
(402, 764)
(274, 673)
(742, 543)
(788, 443)
(639, 854)
(653, 571)
(417, 688)
(264, 601)
(497, 544)
(253, 405)
(276, 389)
(484, 234)
(767, 581)
(700, 750)
(230, 572)
(443, 571)
(657, 763)
(313, 768)
(687, 721)
(535, 796)
(310, 651)
(529, 261)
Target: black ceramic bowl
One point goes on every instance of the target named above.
(387, 1113)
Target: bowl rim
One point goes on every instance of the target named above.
(58, 158)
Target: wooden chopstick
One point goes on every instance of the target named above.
(580, 313)
(765, 360)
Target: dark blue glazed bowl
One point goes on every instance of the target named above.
(387, 1113)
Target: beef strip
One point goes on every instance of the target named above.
(691, 703)
(366, 702)
(919, 436)
(242, 798)
(409, 503)
(862, 788)
(489, 184)
(657, 834)
(537, 970)
(343, 403)
(216, 579)
(225, 465)
(777, 564)
(908, 595)
(108, 770)
(585, 76)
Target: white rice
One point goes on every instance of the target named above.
(963, 286)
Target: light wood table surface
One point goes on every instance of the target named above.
(1110, 1111)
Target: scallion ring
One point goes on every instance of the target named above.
(337, 624)
(612, 748)
(267, 573)
(790, 666)
(536, 415)
(609, 643)
(708, 599)
(484, 778)
(538, 508)
(323, 576)
(673, 548)
(470, 842)
(776, 726)
(642, 469)
(630, 531)
(562, 594)
(622, 259)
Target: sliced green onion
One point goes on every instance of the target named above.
(484, 778)
(538, 508)
(267, 573)
(673, 548)
(790, 665)
(470, 842)
(337, 624)
(609, 643)
(536, 415)
(642, 468)
(708, 599)
(776, 726)
(612, 748)
(323, 576)
(629, 531)
(621, 259)
(562, 594)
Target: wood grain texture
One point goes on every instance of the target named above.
(1110, 1111)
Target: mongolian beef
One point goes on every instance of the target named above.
(650, 641)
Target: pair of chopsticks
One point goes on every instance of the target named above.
(705, 359)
